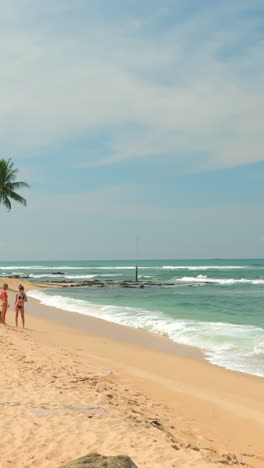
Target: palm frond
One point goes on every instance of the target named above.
(8, 184)
(15, 196)
(17, 185)
(4, 200)
(12, 175)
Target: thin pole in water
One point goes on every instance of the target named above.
(137, 242)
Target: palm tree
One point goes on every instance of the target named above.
(8, 184)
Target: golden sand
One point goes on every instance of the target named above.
(58, 401)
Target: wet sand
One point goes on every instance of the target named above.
(161, 396)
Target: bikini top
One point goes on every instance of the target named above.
(20, 298)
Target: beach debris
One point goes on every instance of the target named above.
(159, 426)
(85, 409)
(156, 424)
(209, 448)
(39, 368)
(39, 414)
(241, 461)
(109, 372)
(94, 460)
(192, 447)
(175, 447)
(78, 408)
(230, 459)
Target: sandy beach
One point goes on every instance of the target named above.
(132, 234)
(162, 404)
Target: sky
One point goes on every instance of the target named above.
(135, 119)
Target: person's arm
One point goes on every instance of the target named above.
(4, 297)
(25, 297)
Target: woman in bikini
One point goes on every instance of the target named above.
(21, 298)
(5, 305)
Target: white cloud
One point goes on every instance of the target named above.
(171, 93)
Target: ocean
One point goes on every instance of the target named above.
(214, 305)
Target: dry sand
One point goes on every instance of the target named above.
(162, 409)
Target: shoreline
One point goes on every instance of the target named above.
(104, 328)
(249, 366)
(215, 410)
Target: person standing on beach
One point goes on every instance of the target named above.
(21, 298)
(5, 305)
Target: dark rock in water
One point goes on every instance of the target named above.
(58, 273)
(122, 284)
(94, 460)
(18, 276)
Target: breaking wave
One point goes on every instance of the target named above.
(235, 347)
(202, 279)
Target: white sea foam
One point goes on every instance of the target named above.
(40, 267)
(236, 347)
(199, 279)
(77, 276)
(204, 279)
(54, 276)
(130, 267)
(237, 362)
(204, 267)
(63, 268)
(107, 276)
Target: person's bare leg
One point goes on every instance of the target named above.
(17, 311)
(22, 316)
(3, 314)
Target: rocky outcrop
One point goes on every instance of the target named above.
(94, 460)
(101, 284)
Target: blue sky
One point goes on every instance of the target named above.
(134, 118)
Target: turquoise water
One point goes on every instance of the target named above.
(216, 305)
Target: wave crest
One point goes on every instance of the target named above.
(203, 279)
(236, 347)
